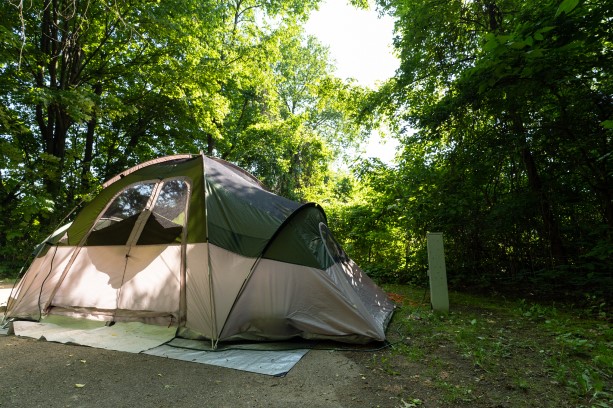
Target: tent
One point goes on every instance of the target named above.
(197, 243)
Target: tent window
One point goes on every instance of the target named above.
(165, 224)
(115, 225)
(334, 249)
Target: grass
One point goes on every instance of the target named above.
(7, 282)
(493, 351)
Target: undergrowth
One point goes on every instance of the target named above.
(488, 351)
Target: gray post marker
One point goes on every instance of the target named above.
(439, 295)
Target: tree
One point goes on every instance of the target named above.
(90, 88)
(510, 101)
(289, 117)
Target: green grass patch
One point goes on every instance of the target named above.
(492, 350)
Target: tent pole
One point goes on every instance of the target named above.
(215, 335)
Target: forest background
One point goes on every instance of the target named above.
(503, 111)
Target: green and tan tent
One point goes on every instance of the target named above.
(197, 243)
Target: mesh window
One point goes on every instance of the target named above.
(333, 248)
(114, 227)
(165, 224)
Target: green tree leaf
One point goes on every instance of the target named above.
(567, 6)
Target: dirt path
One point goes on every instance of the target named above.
(43, 374)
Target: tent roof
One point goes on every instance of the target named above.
(238, 214)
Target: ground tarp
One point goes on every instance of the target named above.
(275, 359)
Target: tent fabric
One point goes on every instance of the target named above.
(198, 244)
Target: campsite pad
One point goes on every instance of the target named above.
(263, 358)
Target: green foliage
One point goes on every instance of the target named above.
(362, 220)
(567, 6)
(91, 88)
(503, 110)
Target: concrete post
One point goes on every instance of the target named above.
(439, 295)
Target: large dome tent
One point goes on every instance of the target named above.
(196, 243)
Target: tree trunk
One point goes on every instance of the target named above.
(88, 155)
(59, 57)
(607, 204)
(558, 253)
(552, 231)
(210, 144)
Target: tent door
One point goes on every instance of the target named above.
(162, 222)
(131, 265)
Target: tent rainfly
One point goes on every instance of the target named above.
(198, 243)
